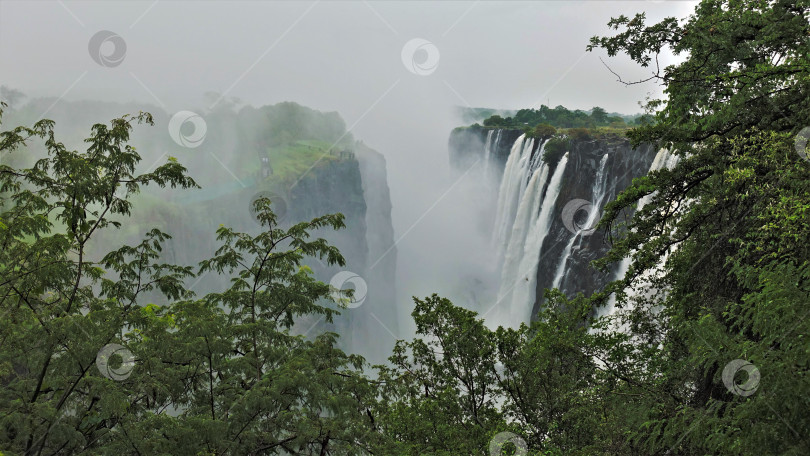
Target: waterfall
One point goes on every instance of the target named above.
(492, 142)
(517, 291)
(531, 249)
(599, 187)
(502, 217)
(663, 159)
(525, 219)
(513, 184)
(488, 152)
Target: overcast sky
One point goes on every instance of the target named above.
(342, 56)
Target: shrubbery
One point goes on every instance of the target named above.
(579, 134)
(543, 131)
(555, 148)
(559, 117)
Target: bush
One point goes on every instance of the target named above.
(579, 134)
(555, 149)
(544, 131)
(644, 119)
(494, 121)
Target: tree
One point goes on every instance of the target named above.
(87, 366)
(719, 253)
(746, 66)
(644, 119)
(463, 384)
(544, 131)
(579, 134)
(599, 116)
(494, 121)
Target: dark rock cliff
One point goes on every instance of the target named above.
(624, 163)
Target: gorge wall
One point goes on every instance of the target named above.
(544, 210)
(304, 158)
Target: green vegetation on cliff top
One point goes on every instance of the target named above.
(546, 122)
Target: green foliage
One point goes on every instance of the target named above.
(599, 115)
(746, 67)
(285, 122)
(468, 114)
(494, 120)
(577, 125)
(719, 272)
(220, 374)
(736, 206)
(559, 117)
(292, 160)
(579, 134)
(644, 119)
(555, 148)
(543, 131)
(724, 300)
(452, 391)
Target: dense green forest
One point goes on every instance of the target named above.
(561, 116)
(710, 354)
(562, 125)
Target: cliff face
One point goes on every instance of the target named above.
(303, 157)
(358, 188)
(378, 312)
(355, 186)
(623, 164)
(563, 254)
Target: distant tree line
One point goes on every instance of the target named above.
(562, 117)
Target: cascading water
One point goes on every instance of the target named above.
(513, 185)
(536, 249)
(525, 219)
(517, 290)
(599, 187)
(663, 159)
(488, 152)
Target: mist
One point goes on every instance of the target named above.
(344, 57)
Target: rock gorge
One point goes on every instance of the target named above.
(544, 211)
